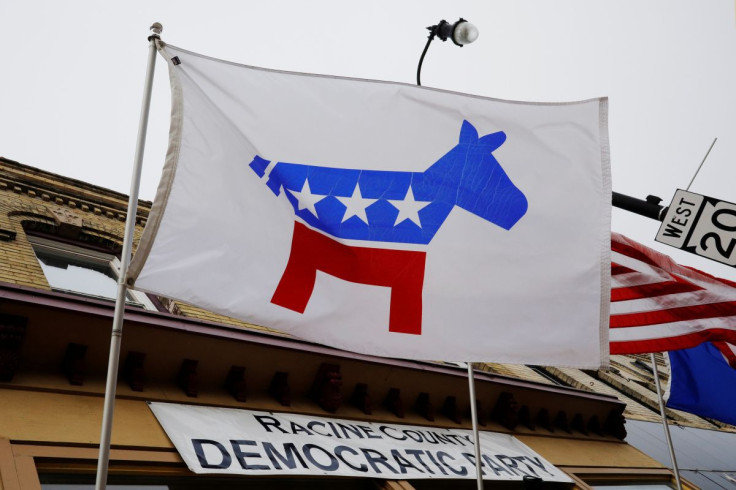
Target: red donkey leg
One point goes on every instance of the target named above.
(400, 270)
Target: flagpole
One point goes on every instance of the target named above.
(476, 435)
(664, 422)
(117, 324)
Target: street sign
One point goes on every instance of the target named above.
(701, 225)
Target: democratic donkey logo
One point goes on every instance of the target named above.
(381, 208)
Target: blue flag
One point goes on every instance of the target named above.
(703, 383)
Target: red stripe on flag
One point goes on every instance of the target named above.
(672, 315)
(672, 343)
(617, 269)
(634, 253)
(652, 290)
(718, 279)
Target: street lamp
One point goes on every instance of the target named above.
(461, 33)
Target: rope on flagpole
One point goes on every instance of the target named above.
(675, 469)
(117, 323)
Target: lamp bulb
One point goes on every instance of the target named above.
(464, 33)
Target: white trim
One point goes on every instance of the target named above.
(167, 174)
(68, 250)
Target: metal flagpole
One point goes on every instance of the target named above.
(117, 324)
(656, 372)
(664, 422)
(476, 435)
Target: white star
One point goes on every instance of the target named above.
(355, 205)
(409, 208)
(306, 199)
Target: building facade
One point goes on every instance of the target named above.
(60, 241)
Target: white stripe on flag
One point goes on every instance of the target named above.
(677, 300)
(673, 329)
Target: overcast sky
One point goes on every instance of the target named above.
(72, 76)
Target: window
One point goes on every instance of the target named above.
(77, 270)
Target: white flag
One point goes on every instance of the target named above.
(385, 218)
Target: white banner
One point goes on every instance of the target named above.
(243, 442)
(385, 218)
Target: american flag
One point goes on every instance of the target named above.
(658, 305)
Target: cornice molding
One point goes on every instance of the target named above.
(63, 191)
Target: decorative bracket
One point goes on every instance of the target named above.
(615, 424)
(561, 422)
(543, 420)
(505, 411)
(279, 388)
(393, 402)
(235, 383)
(525, 417)
(424, 407)
(73, 364)
(12, 333)
(578, 423)
(478, 413)
(594, 425)
(360, 398)
(188, 377)
(449, 409)
(133, 371)
(326, 389)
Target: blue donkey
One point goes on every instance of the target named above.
(386, 206)
(467, 176)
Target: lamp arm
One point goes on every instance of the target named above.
(432, 34)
